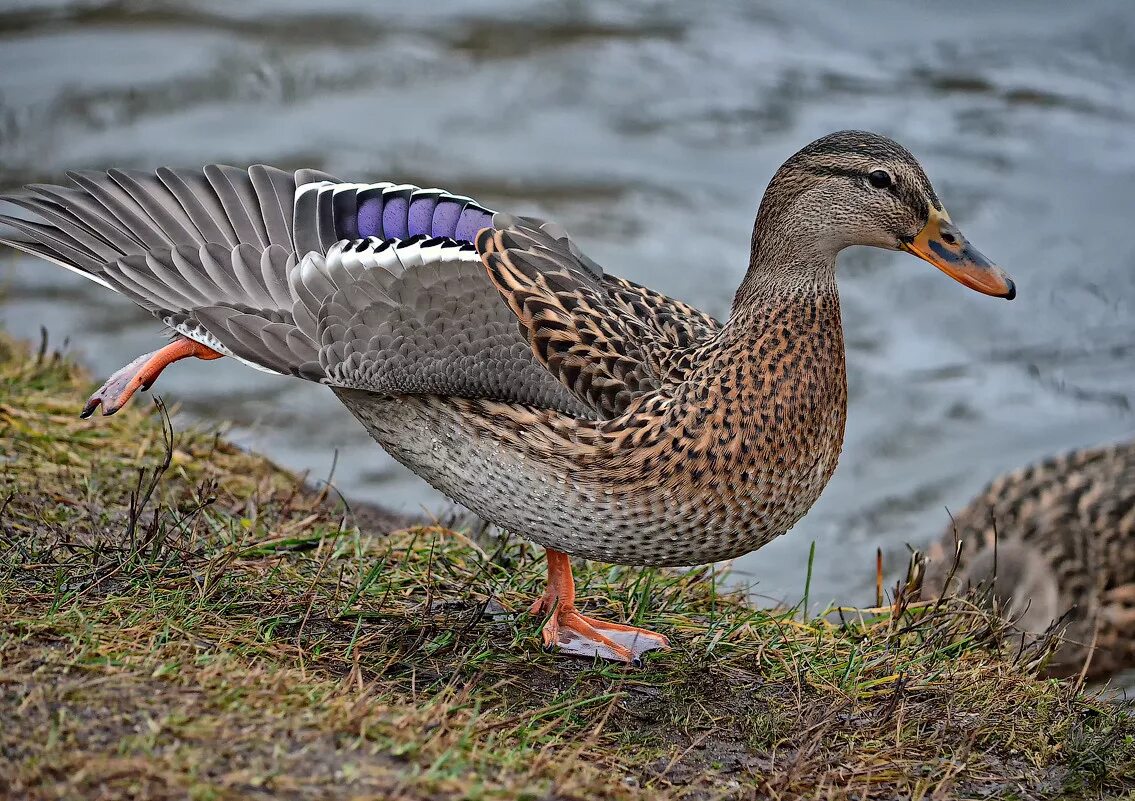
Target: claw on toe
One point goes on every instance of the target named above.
(141, 374)
(571, 632)
(118, 389)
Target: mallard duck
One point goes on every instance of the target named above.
(1064, 530)
(494, 359)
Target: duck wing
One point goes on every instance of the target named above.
(607, 339)
(375, 286)
(672, 330)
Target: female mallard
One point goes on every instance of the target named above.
(1064, 530)
(494, 359)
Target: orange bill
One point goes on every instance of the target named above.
(942, 244)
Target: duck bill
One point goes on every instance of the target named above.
(942, 244)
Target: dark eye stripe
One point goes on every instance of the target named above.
(844, 172)
(834, 171)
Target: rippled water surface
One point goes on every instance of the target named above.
(649, 129)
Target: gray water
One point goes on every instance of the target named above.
(649, 129)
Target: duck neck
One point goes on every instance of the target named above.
(790, 283)
(789, 255)
(786, 323)
(798, 280)
(802, 316)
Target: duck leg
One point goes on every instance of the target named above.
(574, 633)
(142, 373)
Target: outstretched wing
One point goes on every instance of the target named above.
(372, 286)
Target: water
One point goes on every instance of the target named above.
(649, 129)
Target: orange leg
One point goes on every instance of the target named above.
(142, 373)
(574, 633)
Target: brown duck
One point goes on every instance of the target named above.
(1064, 530)
(493, 358)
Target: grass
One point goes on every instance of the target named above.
(180, 619)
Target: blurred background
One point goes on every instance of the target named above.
(649, 129)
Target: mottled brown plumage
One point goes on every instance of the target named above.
(1064, 530)
(488, 354)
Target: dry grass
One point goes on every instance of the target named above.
(181, 619)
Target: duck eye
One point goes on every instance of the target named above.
(880, 179)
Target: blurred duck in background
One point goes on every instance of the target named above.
(1054, 541)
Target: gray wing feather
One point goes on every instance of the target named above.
(193, 192)
(275, 191)
(275, 263)
(325, 220)
(305, 222)
(154, 200)
(145, 277)
(238, 198)
(89, 212)
(71, 226)
(216, 260)
(310, 176)
(131, 219)
(247, 268)
(45, 241)
(252, 342)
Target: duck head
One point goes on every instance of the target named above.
(860, 188)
